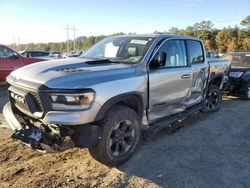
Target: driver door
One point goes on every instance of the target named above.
(170, 83)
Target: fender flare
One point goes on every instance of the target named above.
(122, 98)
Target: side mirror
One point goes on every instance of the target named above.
(159, 60)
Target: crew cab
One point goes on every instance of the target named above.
(105, 98)
(11, 60)
(239, 74)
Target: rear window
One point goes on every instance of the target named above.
(195, 49)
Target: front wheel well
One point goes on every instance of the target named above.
(133, 101)
(217, 81)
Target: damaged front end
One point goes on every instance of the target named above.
(50, 137)
(53, 138)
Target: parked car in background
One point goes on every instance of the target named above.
(75, 54)
(57, 55)
(239, 75)
(212, 55)
(11, 60)
(38, 54)
(103, 99)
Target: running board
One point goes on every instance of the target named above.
(167, 121)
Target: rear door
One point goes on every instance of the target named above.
(9, 61)
(199, 67)
(169, 85)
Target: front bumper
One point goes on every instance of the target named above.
(69, 117)
(57, 138)
(8, 114)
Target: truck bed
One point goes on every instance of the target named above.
(219, 66)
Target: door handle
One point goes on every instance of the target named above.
(186, 76)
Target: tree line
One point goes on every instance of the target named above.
(228, 39)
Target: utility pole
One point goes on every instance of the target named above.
(74, 34)
(67, 38)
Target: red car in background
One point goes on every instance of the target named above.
(11, 60)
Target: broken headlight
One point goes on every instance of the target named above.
(66, 101)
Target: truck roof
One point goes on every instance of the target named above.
(160, 36)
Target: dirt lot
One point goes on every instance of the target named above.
(211, 150)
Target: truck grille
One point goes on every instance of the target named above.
(25, 100)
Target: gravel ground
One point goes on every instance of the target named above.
(211, 150)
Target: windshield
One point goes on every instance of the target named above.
(121, 49)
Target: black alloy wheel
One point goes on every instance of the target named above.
(213, 99)
(120, 136)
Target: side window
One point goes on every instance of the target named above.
(175, 53)
(196, 54)
(33, 54)
(5, 52)
(28, 54)
(39, 54)
(44, 53)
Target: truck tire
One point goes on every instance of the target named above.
(246, 96)
(213, 99)
(119, 137)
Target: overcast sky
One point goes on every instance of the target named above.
(45, 20)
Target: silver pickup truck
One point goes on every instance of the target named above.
(119, 87)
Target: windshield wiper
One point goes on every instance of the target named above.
(97, 61)
(111, 60)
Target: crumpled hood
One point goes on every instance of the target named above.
(72, 73)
